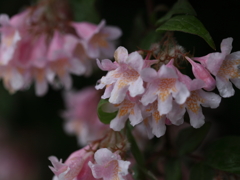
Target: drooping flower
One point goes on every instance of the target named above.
(100, 39)
(109, 166)
(81, 115)
(129, 108)
(123, 76)
(224, 66)
(163, 86)
(202, 73)
(42, 45)
(75, 167)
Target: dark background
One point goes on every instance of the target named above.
(33, 126)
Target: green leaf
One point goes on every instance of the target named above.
(105, 117)
(201, 172)
(187, 24)
(84, 10)
(180, 7)
(173, 169)
(190, 138)
(224, 154)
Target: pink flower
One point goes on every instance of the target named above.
(81, 115)
(100, 39)
(130, 109)
(9, 39)
(224, 66)
(42, 45)
(192, 105)
(163, 86)
(108, 165)
(202, 73)
(75, 167)
(155, 121)
(213, 61)
(123, 75)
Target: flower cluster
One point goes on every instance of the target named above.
(94, 161)
(81, 115)
(43, 45)
(156, 93)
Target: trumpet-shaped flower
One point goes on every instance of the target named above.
(129, 108)
(109, 166)
(75, 167)
(224, 66)
(155, 120)
(100, 39)
(124, 75)
(163, 86)
(202, 73)
(81, 115)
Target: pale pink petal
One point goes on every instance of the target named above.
(77, 67)
(103, 156)
(158, 127)
(224, 87)
(182, 93)
(166, 72)
(4, 19)
(196, 119)
(111, 32)
(148, 74)
(135, 61)
(211, 100)
(41, 88)
(136, 87)
(226, 45)
(16, 80)
(85, 29)
(118, 93)
(93, 51)
(165, 106)
(123, 166)
(108, 51)
(106, 65)
(121, 54)
(97, 170)
(118, 123)
(201, 73)
(176, 114)
(107, 92)
(136, 117)
(236, 82)
(149, 96)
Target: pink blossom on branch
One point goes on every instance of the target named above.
(81, 117)
(109, 165)
(224, 66)
(100, 39)
(124, 75)
(163, 86)
(75, 167)
(42, 47)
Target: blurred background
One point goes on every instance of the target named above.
(31, 128)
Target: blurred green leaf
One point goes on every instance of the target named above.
(84, 10)
(201, 172)
(105, 117)
(187, 24)
(173, 169)
(180, 7)
(150, 38)
(190, 138)
(224, 154)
